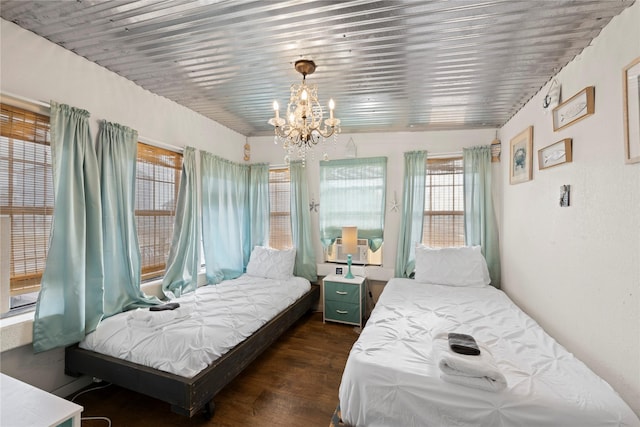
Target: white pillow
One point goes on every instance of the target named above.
(271, 263)
(462, 266)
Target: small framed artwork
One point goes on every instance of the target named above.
(555, 154)
(521, 156)
(338, 270)
(631, 95)
(576, 108)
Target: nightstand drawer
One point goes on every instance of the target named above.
(342, 311)
(342, 292)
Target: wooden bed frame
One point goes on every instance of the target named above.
(188, 396)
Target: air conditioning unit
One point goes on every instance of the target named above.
(336, 254)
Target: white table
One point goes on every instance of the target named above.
(28, 406)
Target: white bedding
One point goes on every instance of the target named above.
(208, 323)
(391, 379)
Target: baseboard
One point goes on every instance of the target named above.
(73, 387)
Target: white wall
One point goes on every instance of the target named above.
(391, 145)
(576, 270)
(33, 68)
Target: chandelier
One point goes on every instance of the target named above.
(303, 127)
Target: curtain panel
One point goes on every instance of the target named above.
(226, 232)
(480, 225)
(352, 192)
(70, 300)
(305, 265)
(235, 214)
(259, 204)
(117, 148)
(183, 262)
(411, 221)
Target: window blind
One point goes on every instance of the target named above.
(157, 183)
(280, 208)
(443, 224)
(26, 195)
(352, 192)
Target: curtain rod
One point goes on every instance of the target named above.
(47, 107)
(444, 155)
(160, 144)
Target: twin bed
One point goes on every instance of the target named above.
(393, 375)
(187, 355)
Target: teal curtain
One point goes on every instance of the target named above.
(259, 204)
(305, 265)
(117, 149)
(70, 301)
(183, 262)
(480, 225)
(352, 192)
(226, 230)
(413, 188)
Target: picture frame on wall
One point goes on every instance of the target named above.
(555, 154)
(521, 158)
(574, 109)
(631, 100)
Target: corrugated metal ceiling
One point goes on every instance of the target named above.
(391, 65)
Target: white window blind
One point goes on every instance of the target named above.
(443, 223)
(352, 193)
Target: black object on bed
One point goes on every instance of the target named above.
(163, 307)
(188, 396)
(463, 344)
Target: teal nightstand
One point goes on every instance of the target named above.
(344, 299)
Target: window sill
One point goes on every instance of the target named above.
(372, 272)
(16, 331)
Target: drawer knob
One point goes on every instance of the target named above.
(342, 312)
(342, 293)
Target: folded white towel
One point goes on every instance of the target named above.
(473, 371)
(143, 317)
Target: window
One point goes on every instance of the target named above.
(352, 193)
(443, 223)
(26, 198)
(157, 184)
(280, 208)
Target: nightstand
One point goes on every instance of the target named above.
(344, 299)
(25, 405)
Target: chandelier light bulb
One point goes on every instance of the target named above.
(276, 108)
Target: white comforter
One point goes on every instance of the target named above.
(208, 323)
(391, 379)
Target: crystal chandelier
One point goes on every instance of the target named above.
(303, 127)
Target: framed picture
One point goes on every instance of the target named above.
(631, 95)
(555, 154)
(574, 109)
(521, 156)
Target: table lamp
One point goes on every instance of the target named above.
(349, 245)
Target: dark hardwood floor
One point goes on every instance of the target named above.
(294, 383)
